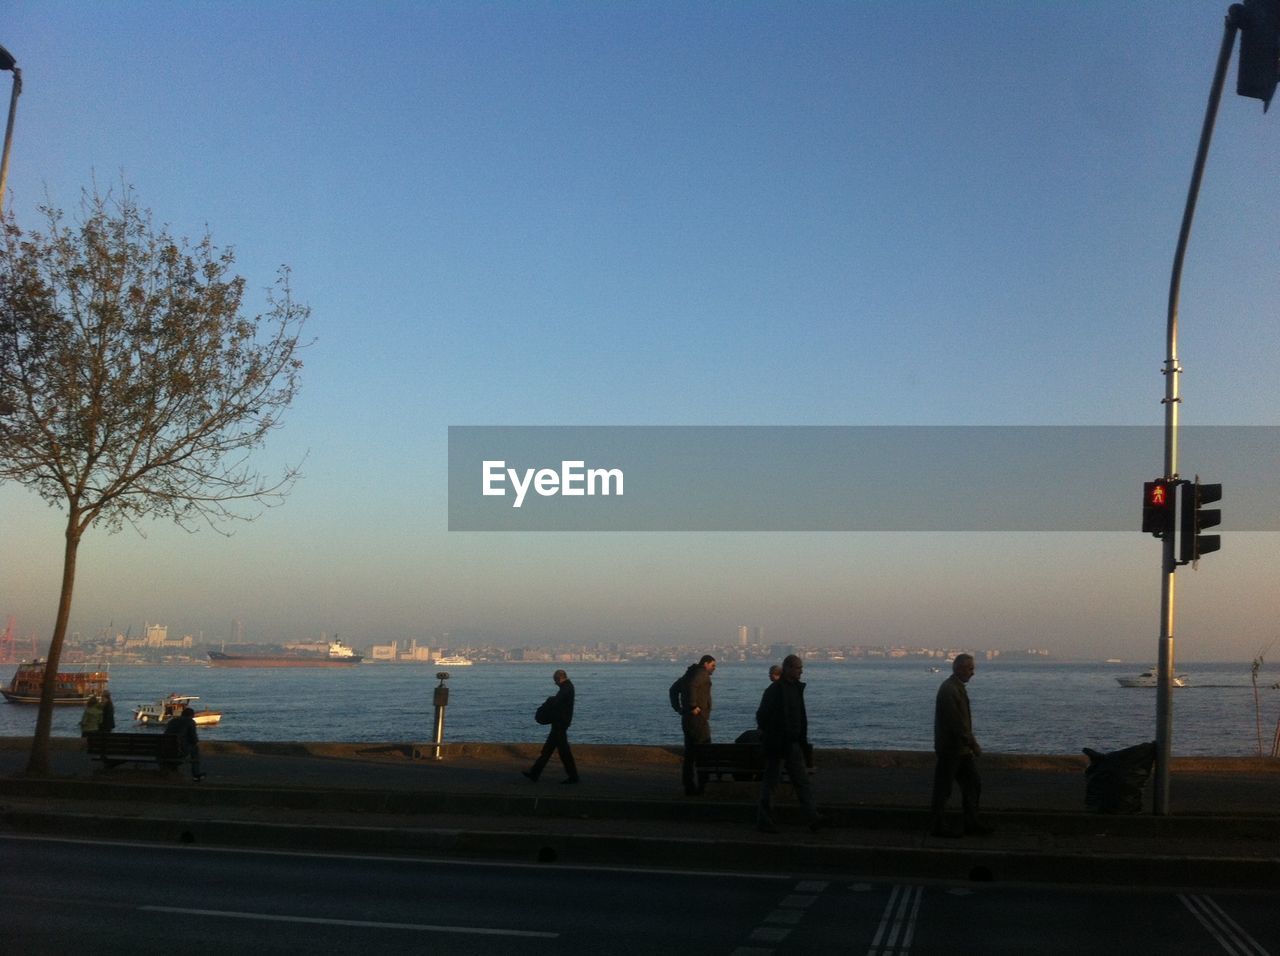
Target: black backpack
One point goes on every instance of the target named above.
(678, 692)
(546, 712)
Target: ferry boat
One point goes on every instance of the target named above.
(452, 662)
(71, 687)
(167, 708)
(302, 654)
(1150, 679)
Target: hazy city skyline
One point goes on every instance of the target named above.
(674, 214)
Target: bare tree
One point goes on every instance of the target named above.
(131, 385)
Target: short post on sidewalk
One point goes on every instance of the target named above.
(441, 702)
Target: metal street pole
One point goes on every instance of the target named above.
(7, 62)
(1171, 371)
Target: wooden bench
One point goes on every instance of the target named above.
(115, 749)
(739, 761)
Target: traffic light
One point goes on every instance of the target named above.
(1196, 517)
(1259, 22)
(1159, 502)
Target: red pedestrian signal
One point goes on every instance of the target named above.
(1159, 507)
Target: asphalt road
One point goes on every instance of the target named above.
(73, 897)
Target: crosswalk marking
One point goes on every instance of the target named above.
(789, 912)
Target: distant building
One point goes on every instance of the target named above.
(416, 654)
(743, 634)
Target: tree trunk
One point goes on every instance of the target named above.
(38, 763)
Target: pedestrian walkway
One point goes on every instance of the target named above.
(629, 809)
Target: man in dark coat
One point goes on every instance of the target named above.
(691, 699)
(184, 728)
(784, 734)
(956, 750)
(558, 738)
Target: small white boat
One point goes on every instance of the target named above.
(1150, 679)
(452, 662)
(167, 708)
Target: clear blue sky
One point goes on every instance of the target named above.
(674, 213)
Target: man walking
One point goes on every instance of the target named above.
(784, 733)
(558, 739)
(956, 750)
(691, 699)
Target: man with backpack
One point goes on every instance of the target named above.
(559, 714)
(691, 699)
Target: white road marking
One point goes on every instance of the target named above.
(768, 934)
(899, 919)
(798, 901)
(789, 912)
(911, 921)
(403, 860)
(1229, 934)
(366, 924)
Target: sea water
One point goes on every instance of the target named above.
(1018, 707)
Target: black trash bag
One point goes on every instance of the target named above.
(1114, 781)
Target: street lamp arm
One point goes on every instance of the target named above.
(12, 66)
(1230, 27)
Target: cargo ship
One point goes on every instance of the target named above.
(70, 687)
(308, 654)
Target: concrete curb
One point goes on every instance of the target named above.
(421, 803)
(961, 864)
(660, 755)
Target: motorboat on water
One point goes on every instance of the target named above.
(167, 708)
(455, 661)
(1150, 679)
(70, 687)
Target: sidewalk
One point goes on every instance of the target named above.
(1224, 828)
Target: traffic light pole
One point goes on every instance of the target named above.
(1171, 371)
